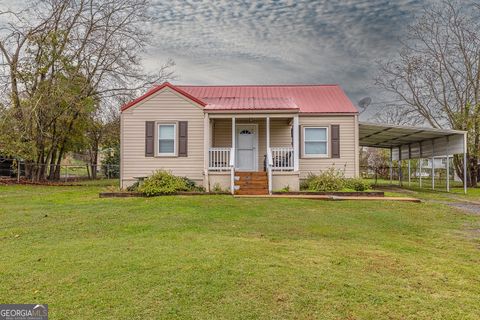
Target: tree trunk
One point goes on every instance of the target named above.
(58, 166)
(472, 169)
(53, 158)
(93, 161)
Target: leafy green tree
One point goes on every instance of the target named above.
(63, 64)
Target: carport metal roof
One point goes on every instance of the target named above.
(407, 143)
(412, 142)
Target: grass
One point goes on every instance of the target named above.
(425, 192)
(204, 257)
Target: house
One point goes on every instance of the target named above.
(439, 163)
(252, 139)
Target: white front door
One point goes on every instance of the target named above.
(246, 142)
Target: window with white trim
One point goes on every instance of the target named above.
(315, 141)
(167, 139)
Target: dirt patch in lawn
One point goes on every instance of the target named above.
(465, 206)
(13, 181)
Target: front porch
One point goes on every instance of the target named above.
(251, 143)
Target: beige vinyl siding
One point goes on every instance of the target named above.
(280, 135)
(348, 141)
(164, 106)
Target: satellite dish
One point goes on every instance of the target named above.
(364, 102)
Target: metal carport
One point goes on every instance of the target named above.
(407, 143)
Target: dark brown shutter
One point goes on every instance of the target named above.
(335, 140)
(149, 137)
(182, 138)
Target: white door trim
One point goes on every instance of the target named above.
(255, 151)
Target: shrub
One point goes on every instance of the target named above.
(191, 185)
(328, 180)
(357, 184)
(163, 182)
(217, 188)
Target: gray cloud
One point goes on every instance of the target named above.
(277, 41)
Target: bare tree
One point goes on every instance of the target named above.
(398, 115)
(62, 59)
(437, 73)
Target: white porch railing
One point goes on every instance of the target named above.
(282, 158)
(219, 159)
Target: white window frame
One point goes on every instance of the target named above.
(316, 155)
(175, 139)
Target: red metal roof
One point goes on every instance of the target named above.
(305, 98)
(249, 103)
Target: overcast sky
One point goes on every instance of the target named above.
(278, 42)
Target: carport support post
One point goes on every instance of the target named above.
(433, 165)
(391, 166)
(448, 165)
(420, 174)
(465, 163)
(420, 178)
(409, 157)
(400, 166)
(409, 173)
(448, 173)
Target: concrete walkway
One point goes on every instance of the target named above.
(451, 200)
(332, 198)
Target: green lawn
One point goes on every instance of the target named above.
(217, 257)
(425, 192)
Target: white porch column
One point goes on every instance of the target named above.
(296, 143)
(269, 169)
(233, 139)
(206, 149)
(233, 156)
(267, 119)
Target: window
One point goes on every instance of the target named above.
(315, 141)
(166, 139)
